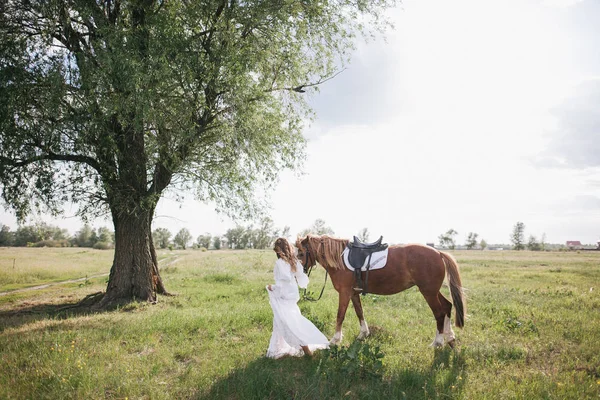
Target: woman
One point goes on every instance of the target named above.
(292, 333)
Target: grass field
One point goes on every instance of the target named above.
(533, 332)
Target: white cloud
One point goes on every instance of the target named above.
(575, 141)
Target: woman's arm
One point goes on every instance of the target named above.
(282, 275)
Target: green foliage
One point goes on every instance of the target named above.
(182, 238)
(359, 360)
(244, 237)
(204, 241)
(471, 240)
(447, 239)
(85, 237)
(517, 237)
(52, 243)
(533, 244)
(236, 237)
(105, 235)
(162, 237)
(102, 245)
(265, 234)
(7, 238)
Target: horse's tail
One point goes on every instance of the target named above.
(456, 289)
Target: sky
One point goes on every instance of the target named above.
(471, 115)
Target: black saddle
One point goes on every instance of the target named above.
(358, 244)
(358, 252)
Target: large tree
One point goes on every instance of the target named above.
(471, 240)
(447, 239)
(517, 236)
(109, 103)
(265, 234)
(162, 237)
(182, 238)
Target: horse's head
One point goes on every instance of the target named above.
(305, 255)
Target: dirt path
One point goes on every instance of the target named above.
(162, 263)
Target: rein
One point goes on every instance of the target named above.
(304, 296)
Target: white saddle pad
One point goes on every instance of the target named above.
(378, 260)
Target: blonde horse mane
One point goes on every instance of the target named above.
(326, 249)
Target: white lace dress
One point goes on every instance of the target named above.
(290, 329)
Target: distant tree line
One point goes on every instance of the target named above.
(261, 236)
(517, 238)
(44, 235)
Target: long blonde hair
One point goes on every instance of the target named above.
(285, 251)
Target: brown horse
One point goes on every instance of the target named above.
(407, 266)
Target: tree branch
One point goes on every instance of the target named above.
(300, 89)
(52, 157)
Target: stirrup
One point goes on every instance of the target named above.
(357, 289)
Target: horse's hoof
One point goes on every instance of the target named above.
(452, 343)
(335, 340)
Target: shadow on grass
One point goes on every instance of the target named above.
(317, 378)
(28, 312)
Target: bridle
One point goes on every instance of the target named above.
(309, 269)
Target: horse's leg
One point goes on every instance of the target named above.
(344, 300)
(448, 332)
(439, 314)
(364, 328)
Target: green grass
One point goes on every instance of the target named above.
(533, 332)
(27, 267)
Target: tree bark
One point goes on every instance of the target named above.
(134, 274)
(160, 287)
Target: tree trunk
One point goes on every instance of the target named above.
(134, 273)
(160, 287)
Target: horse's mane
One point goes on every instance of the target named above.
(328, 250)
